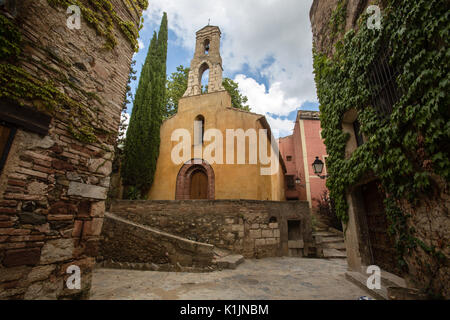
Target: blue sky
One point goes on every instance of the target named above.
(266, 47)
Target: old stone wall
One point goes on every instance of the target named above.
(251, 228)
(320, 14)
(53, 186)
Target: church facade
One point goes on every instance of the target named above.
(210, 150)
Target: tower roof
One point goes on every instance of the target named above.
(208, 28)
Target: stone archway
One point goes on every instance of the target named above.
(184, 179)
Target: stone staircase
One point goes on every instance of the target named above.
(329, 243)
(130, 245)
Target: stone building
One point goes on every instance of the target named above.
(56, 141)
(366, 233)
(299, 151)
(229, 172)
(199, 206)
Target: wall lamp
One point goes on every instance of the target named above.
(318, 168)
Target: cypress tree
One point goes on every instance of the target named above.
(142, 142)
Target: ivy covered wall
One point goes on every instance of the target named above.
(408, 150)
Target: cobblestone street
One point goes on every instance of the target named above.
(270, 278)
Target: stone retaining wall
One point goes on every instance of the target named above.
(125, 241)
(251, 228)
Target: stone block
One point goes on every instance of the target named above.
(267, 233)
(46, 290)
(20, 257)
(32, 218)
(62, 207)
(260, 242)
(57, 250)
(238, 227)
(273, 225)
(93, 228)
(40, 273)
(100, 166)
(37, 188)
(254, 234)
(98, 209)
(77, 228)
(87, 191)
(12, 274)
(229, 220)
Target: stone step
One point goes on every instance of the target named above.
(324, 234)
(388, 280)
(391, 280)
(229, 262)
(333, 254)
(219, 253)
(335, 239)
(334, 245)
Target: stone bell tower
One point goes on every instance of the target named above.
(206, 56)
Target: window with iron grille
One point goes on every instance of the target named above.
(383, 85)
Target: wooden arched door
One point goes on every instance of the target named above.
(199, 185)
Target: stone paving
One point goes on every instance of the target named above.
(271, 278)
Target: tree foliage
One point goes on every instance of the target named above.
(238, 100)
(142, 141)
(177, 85)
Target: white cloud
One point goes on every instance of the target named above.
(141, 44)
(124, 123)
(275, 100)
(280, 127)
(272, 38)
(253, 33)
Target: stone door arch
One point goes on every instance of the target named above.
(184, 179)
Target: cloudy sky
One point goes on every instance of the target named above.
(266, 47)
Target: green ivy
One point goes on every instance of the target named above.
(338, 17)
(410, 147)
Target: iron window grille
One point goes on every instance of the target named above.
(383, 85)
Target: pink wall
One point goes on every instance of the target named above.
(289, 146)
(314, 146)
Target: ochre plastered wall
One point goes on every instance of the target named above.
(232, 181)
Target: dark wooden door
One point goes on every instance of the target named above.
(381, 243)
(199, 185)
